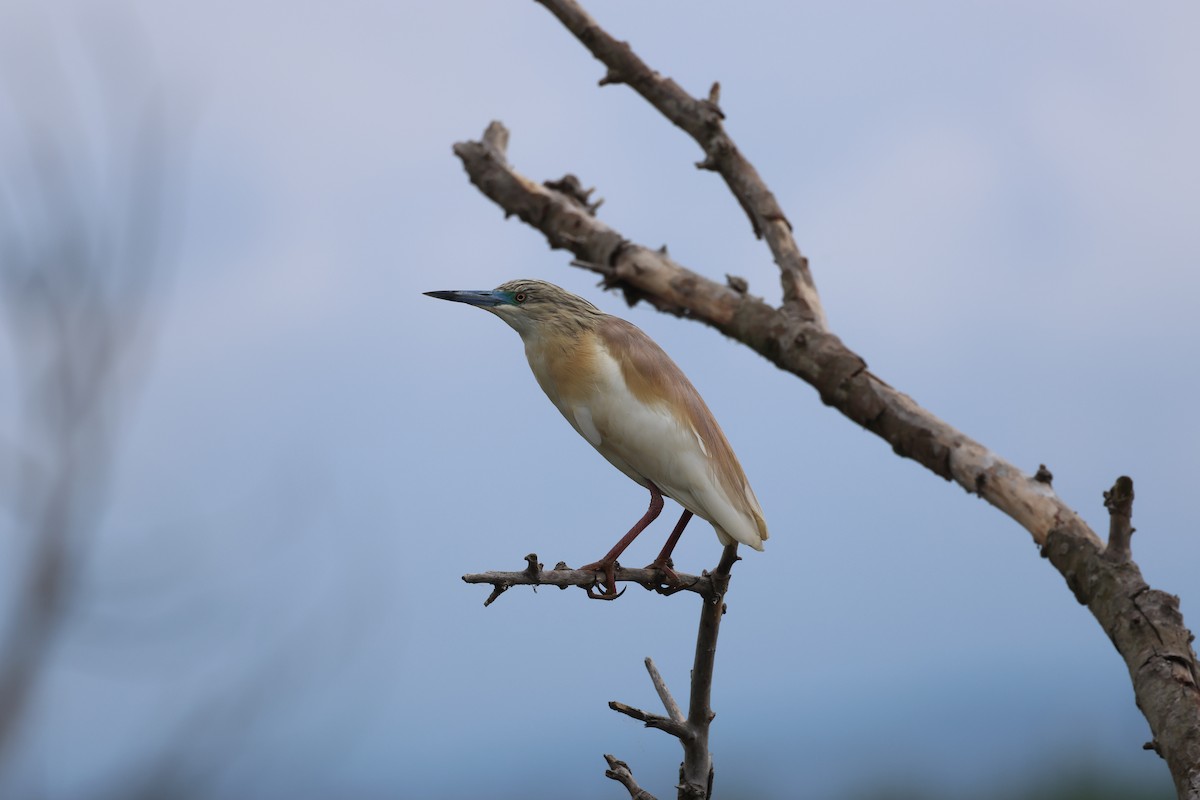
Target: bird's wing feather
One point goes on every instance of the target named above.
(653, 378)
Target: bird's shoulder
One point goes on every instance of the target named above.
(649, 372)
(653, 377)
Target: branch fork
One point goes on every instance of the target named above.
(1144, 624)
(696, 771)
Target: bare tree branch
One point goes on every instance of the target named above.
(696, 771)
(696, 774)
(793, 344)
(564, 577)
(677, 729)
(619, 771)
(1147, 629)
(1144, 625)
(664, 694)
(701, 119)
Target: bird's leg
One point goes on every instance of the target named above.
(663, 562)
(608, 564)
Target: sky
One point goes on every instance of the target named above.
(999, 205)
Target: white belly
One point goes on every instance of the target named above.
(646, 442)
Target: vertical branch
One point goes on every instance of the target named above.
(696, 772)
(696, 769)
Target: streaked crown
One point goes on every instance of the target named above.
(541, 305)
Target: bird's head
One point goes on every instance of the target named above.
(530, 307)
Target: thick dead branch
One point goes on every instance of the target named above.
(702, 119)
(801, 347)
(840, 375)
(1145, 625)
(1148, 631)
(564, 577)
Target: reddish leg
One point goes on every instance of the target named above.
(663, 562)
(608, 564)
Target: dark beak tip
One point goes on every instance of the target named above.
(479, 299)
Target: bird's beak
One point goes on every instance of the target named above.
(483, 299)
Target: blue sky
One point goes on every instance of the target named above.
(999, 204)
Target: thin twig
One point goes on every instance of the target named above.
(664, 694)
(564, 577)
(678, 729)
(619, 771)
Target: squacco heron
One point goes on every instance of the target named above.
(622, 393)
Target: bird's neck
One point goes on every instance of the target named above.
(552, 344)
(559, 358)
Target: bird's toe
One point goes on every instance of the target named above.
(608, 583)
(607, 594)
(665, 569)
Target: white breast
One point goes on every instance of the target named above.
(646, 441)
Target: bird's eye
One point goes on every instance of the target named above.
(519, 297)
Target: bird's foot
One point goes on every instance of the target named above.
(609, 569)
(665, 568)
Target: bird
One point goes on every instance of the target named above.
(622, 393)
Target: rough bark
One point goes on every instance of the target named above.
(1148, 631)
(1144, 625)
(696, 770)
(563, 577)
(802, 347)
(702, 119)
